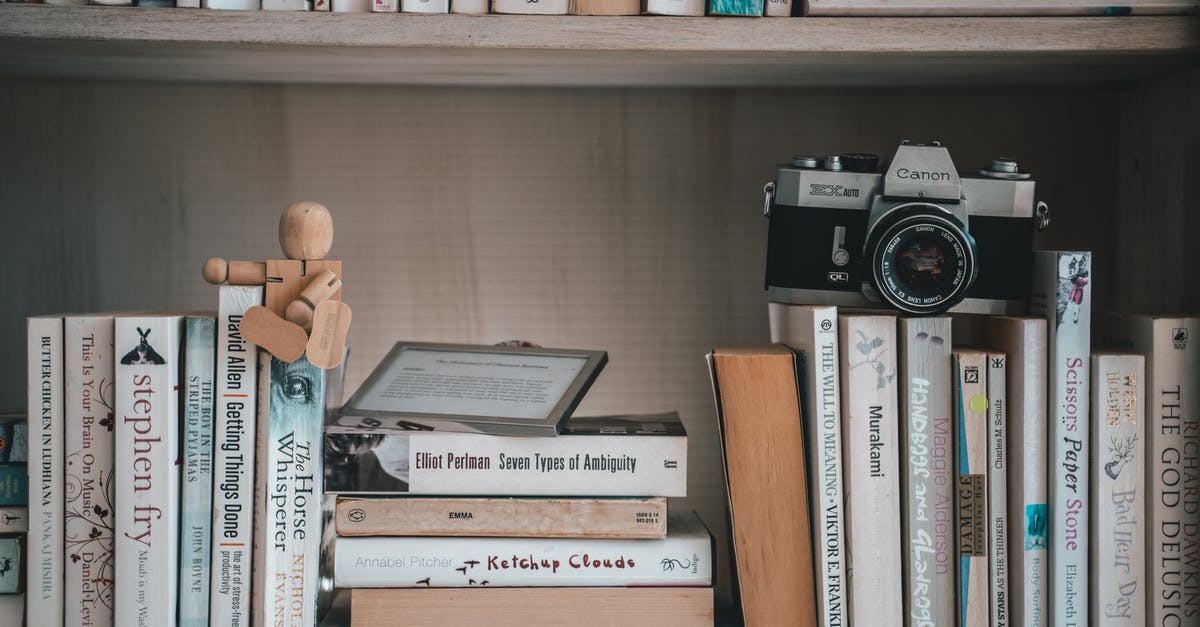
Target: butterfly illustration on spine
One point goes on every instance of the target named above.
(143, 353)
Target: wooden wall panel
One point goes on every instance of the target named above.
(627, 220)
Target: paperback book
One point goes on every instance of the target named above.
(14, 520)
(997, 485)
(683, 558)
(675, 7)
(235, 425)
(756, 391)
(45, 402)
(287, 522)
(90, 486)
(971, 407)
(1023, 342)
(1118, 590)
(600, 456)
(1172, 428)
(870, 422)
(530, 7)
(502, 516)
(812, 332)
(469, 7)
(1063, 295)
(745, 8)
(147, 473)
(197, 472)
(928, 470)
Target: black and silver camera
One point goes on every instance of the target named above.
(919, 237)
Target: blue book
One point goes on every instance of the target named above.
(196, 495)
(287, 529)
(14, 484)
(735, 7)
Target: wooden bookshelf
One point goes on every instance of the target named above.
(280, 47)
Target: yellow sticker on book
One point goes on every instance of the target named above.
(979, 403)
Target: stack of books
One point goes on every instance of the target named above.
(1008, 468)
(572, 527)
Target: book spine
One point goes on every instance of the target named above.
(469, 7)
(385, 6)
(812, 332)
(1062, 294)
(605, 7)
(287, 541)
(1173, 564)
(927, 471)
(870, 422)
(147, 475)
(446, 463)
(187, 4)
(235, 5)
(14, 520)
(1118, 490)
(196, 498)
(90, 487)
(530, 7)
(45, 403)
(750, 8)
(674, 7)
(507, 517)
(233, 460)
(777, 8)
(997, 486)
(14, 484)
(425, 6)
(12, 567)
(971, 406)
(520, 562)
(350, 6)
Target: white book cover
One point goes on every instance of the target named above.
(200, 343)
(971, 408)
(1062, 293)
(1118, 548)
(683, 558)
(287, 525)
(233, 461)
(530, 7)
(287, 5)
(235, 5)
(385, 6)
(147, 348)
(674, 7)
(997, 482)
(1023, 340)
(425, 6)
(351, 6)
(44, 572)
(89, 486)
(870, 424)
(603, 456)
(928, 471)
(469, 7)
(812, 331)
(1172, 575)
(777, 8)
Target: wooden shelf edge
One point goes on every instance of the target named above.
(1146, 34)
(195, 45)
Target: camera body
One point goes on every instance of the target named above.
(918, 237)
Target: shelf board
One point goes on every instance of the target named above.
(266, 46)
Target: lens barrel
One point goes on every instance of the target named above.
(922, 258)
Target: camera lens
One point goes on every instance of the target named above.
(922, 259)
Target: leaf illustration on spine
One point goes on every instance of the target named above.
(872, 351)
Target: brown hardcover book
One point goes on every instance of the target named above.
(758, 407)
(519, 607)
(501, 516)
(605, 7)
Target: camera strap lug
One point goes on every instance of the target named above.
(768, 196)
(1042, 216)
